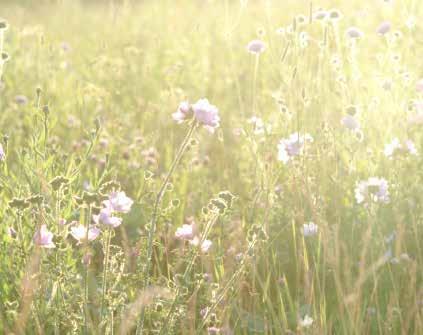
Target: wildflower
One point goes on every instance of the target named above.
(79, 232)
(62, 222)
(354, 32)
(21, 100)
(292, 146)
(396, 148)
(374, 189)
(306, 322)
(206, 114)
(350, 122)
(186, 232)
(44, 238)
(105, 216)
(310, 229)
(183, 112)
(205, 245)
(213, 331)
(119, 202)
(335, 15)
(383, 28)
(256, 47)
(320, 15)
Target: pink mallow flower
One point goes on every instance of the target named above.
(106, 217)
(292, 146)
(118, 202)
(373, 189)
(206, 114)
(183, 112)
(79, 233)
(44, 238)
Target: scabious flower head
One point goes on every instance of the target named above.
(292, 146)
(354, 32)
(118, 202)
(183, 113)
(350, 122)
(383, 28)
(310, 229)
(373, 189)
(106, 217)
(256, 47)
(21, 99)
(79, 233)
(44, 238)
(206, 114)
(205, 245)
(396, 148)
(186, 232)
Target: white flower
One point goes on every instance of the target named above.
(310, 229)
(292, 146)
(374, 189)
(306, 322)
(258, 125)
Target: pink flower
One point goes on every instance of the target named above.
(183, 112)
(105, 216)
(186, 232)
(354, 32)
(383, 28)
(79, 233)
(44, 238)
(206, 114)
(256, 47)
(292, 146)
(118, 202)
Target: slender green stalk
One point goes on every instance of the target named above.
(182, 148)
(105, 267)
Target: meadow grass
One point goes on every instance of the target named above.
(294, 206)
